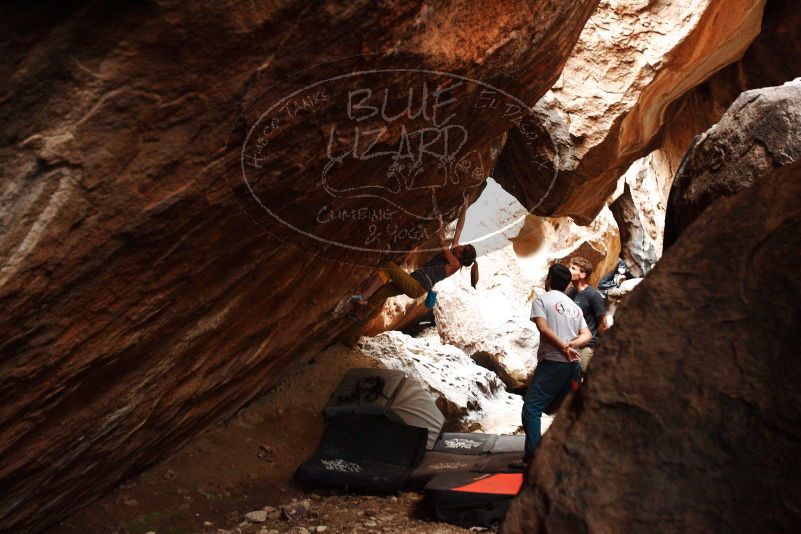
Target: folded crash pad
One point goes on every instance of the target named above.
(388, 393)
(365, 453)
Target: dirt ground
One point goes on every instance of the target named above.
(245, 465)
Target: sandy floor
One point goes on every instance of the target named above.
(241, 465)
(246, 464)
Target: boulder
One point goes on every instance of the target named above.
(689, 418)
(760, 131)
(648, 181)
(557, 239)
(471, 397)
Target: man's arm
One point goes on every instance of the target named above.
(567, 348)
(548, 334)
(584, 337)
(603, 326)
(599, 311)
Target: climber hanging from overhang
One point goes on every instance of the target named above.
(391, 280)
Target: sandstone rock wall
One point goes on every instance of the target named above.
(773, 58)
(610, 104)
(140, 301)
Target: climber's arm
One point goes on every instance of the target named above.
(459, 224)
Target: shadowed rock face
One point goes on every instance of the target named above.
(140, 301)
(689, 419)
(775, 56)
(760, 131)
(610, 105)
